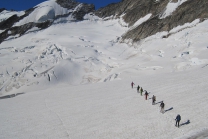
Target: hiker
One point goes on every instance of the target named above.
(138, 89)
(178, 118)
(162, 105)
(132, 84)
(141, 91)
(153, 100)
(146, 94)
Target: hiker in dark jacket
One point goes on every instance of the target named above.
(153, 100)
(138, 89)
(178, 118)
(162, 105)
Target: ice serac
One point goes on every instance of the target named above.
(45, 14)
(185, 11)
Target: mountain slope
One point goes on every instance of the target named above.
(165, 15)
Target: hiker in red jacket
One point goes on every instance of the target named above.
(146, 94)
(132, 84)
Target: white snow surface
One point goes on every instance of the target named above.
(72, 80)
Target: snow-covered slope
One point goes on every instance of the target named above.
(47, 10)
(89, 51)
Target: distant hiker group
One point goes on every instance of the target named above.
(162, 104)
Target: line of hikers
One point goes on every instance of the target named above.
(162, 104)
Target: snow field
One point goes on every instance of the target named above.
(110, 110)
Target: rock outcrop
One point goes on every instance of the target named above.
(80, 11)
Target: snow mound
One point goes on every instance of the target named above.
(47, 10)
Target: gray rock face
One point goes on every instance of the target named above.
(69, 4)
(136, 9)
(80, 12)
(9, 22)
(133, 9)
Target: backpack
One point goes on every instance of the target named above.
(162, 105)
